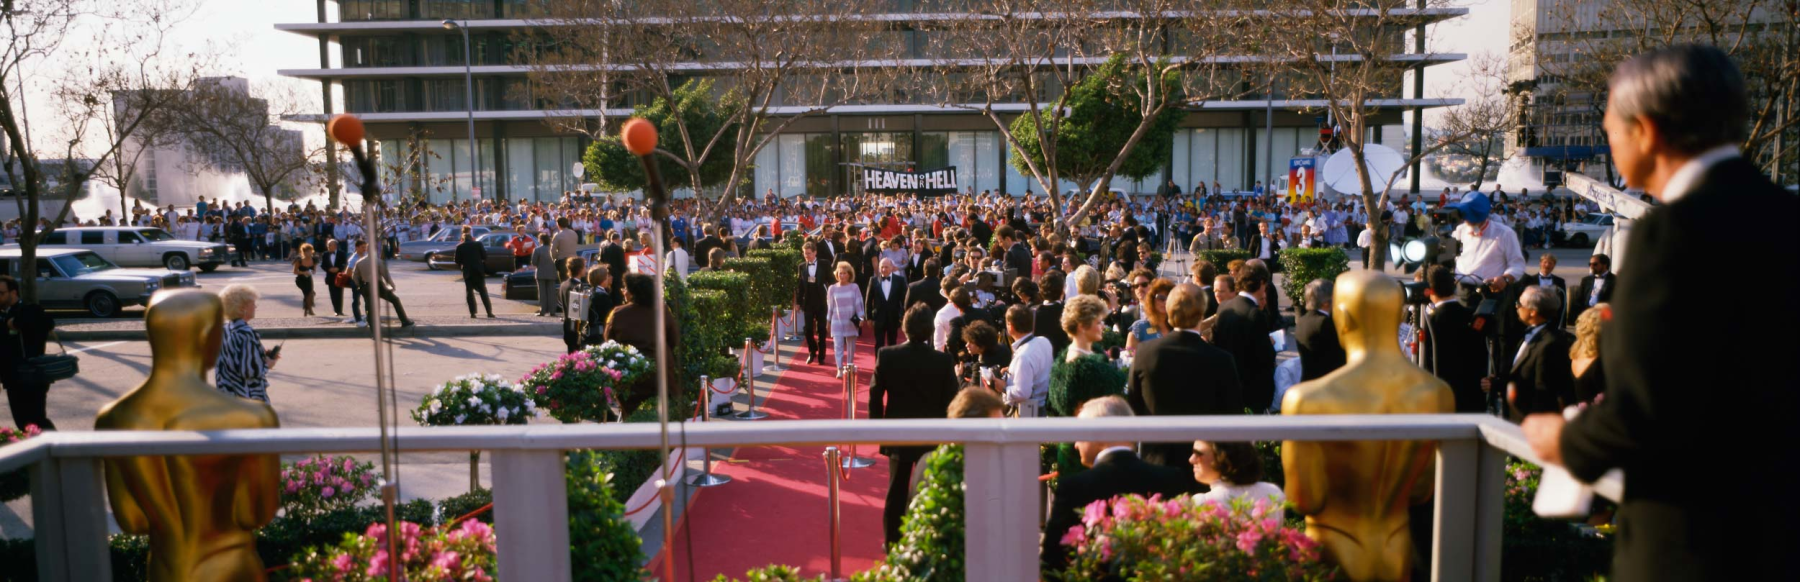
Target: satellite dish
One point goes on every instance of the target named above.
(579, 170)
(1340, 169)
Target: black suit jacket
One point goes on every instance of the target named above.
(954, 345)
(915, 266)
(1458, 352)
(917, 382)
(1114, 474)
(1242, 330)
(33, 325)
(1046, 321)
(928, 291)
(1685, 380)
(614, 257)
(1578, 301)
(703, 248)
(1562, 288)
(472, 259)
(1176, 375)
(886, 311)
(1541, 376)
(1018, 258)
(811, 296)
(333, 261)
(1317, 339)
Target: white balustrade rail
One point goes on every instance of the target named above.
(1001, 467)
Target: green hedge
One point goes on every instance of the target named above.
(708, 338)
(1304, 265)
(738, 309)
(931, 535)
(783, 263)
(1223, 257)
(763, 283)
(771, 573)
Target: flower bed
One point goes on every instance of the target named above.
(1134, 538)
(475, 399)
(16, 483)
(463, 551)
(584, 385)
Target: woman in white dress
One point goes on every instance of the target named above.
(844, 312)
(1232, 470)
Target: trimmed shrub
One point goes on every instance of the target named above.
(603, 546)
(783, 263)
(704, 340)
(771, 573)
(461, 505)
(285, 538)
(931, 535)
(762, 282)
(1304, 265)
(740, 308)
(1223, 257)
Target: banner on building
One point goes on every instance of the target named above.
(929, 182)
(1302, 178)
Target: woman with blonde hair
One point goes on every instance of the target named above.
(1590, 379)
(243, 366)
(304, 264)
(844, 313)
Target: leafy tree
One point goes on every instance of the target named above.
(614, 168)
(1101, 122)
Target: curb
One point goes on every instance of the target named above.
(344, 332)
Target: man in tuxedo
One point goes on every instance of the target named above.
(911, 381)
(1546, 277)
(1690, 376)
(885, 302)
(1203, 273)
(929, 288)
(1047, 318)
(1180, 374)
(915, 261)
(27, 329)
(1454, 350)
(1595, 289)
(1541, 378)
(1018, 258)
(612, 254)
(333, 261)
(471, 259)
(1114, 471)
(1316, 334)
(815, 276)
(1272, 292)
(708, 241)
(1242, 330)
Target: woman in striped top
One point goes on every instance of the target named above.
(243, 366)
(844, 311)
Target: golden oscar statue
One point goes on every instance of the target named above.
(1355, 494)
(199, 511)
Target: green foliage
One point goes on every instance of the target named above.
(461, 505)
(783, 262)
(1304, 265)
(771, 573)
(739, 311)
(931, 535)
(792, 240)
(762, 283)
(130, 557)
(1134, 539)
(704, 340)
(1270, 452)
(286, 538)
(615, 169)
(1221, 258)
(603, 546)
(1109, 339)
(1103, 113)
(1539, 549)
(464, 551)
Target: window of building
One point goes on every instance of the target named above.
(359, 10)
(457, 8)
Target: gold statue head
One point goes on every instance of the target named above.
(1366, 307)
(175, 319)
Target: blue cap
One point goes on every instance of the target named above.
(1475, 207)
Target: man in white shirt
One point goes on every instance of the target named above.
(1490, 250)
(1028, 384)
(941, 324)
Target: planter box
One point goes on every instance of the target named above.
(647, 493)
(756, 360)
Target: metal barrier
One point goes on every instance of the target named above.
(774, 366)
(852, 461)
(706, 478)
(1000, 475)
(833, 484)
(748, 383)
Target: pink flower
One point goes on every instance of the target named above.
(366, 479)
(1074, 536)
(343, 562)
(449, 561)
(556, 376)
(293, 487)
(541, 390)
(349, 465)
(327, 492)
(1247, 539)
(378, 563)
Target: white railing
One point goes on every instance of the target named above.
(1000, 488)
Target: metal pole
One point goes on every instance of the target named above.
(706, 478)
(749, 385)
(1269, 140)
(390, 441)
(852, 461)
(469, 94)
(832, 462)
(774, 364)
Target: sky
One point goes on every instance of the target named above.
(257, 50)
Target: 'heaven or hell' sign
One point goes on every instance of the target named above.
(939, 181)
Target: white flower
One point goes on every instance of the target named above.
(436, 405)
(459, 418)
(531, 405)
(477, 388)
(502, 413)
(474, 402)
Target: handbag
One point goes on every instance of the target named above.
(49, 368)
(342, 279)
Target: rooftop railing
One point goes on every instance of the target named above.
(1000, 487)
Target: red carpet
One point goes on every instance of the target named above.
(774, 509)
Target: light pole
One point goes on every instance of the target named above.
(469, 95)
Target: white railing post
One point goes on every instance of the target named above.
(1452, 552)
(531, 515)
(68, 504)
(1000, 508)
(1490, 513)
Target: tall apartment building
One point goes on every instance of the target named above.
(173, 173)
(393, 63)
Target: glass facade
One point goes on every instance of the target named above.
(540, 168)
(976, 155)
(448, 169)
(358, 10)
(794, 164)
(890, 150)
(1211, 155)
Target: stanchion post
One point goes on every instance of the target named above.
(774, 365)
(831, 493)
(706, 478)
(749, 385)
(852, 461)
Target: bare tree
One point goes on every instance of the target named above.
(774, 61)
(121, 171)
(1484, 120)
(1761, 36)
(1354, 57)
(126, 53)
(236, 129)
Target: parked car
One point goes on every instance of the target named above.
(499, 258)
(134, 246)
(82, 279)
(442, 240)
(1589, 229)
(522, 284)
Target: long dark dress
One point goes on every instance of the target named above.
(1072, 383)
(1591, 383)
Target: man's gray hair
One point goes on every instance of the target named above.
(1104, 406)
(1544, 300)
(1693, 93)
(1318, 295)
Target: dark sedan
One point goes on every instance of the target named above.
(499, 258)
(522, 284)
(442, 240)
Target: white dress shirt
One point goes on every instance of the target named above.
(1689, 173)
(1030, 371)
(1489, 251)
(940, 337)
